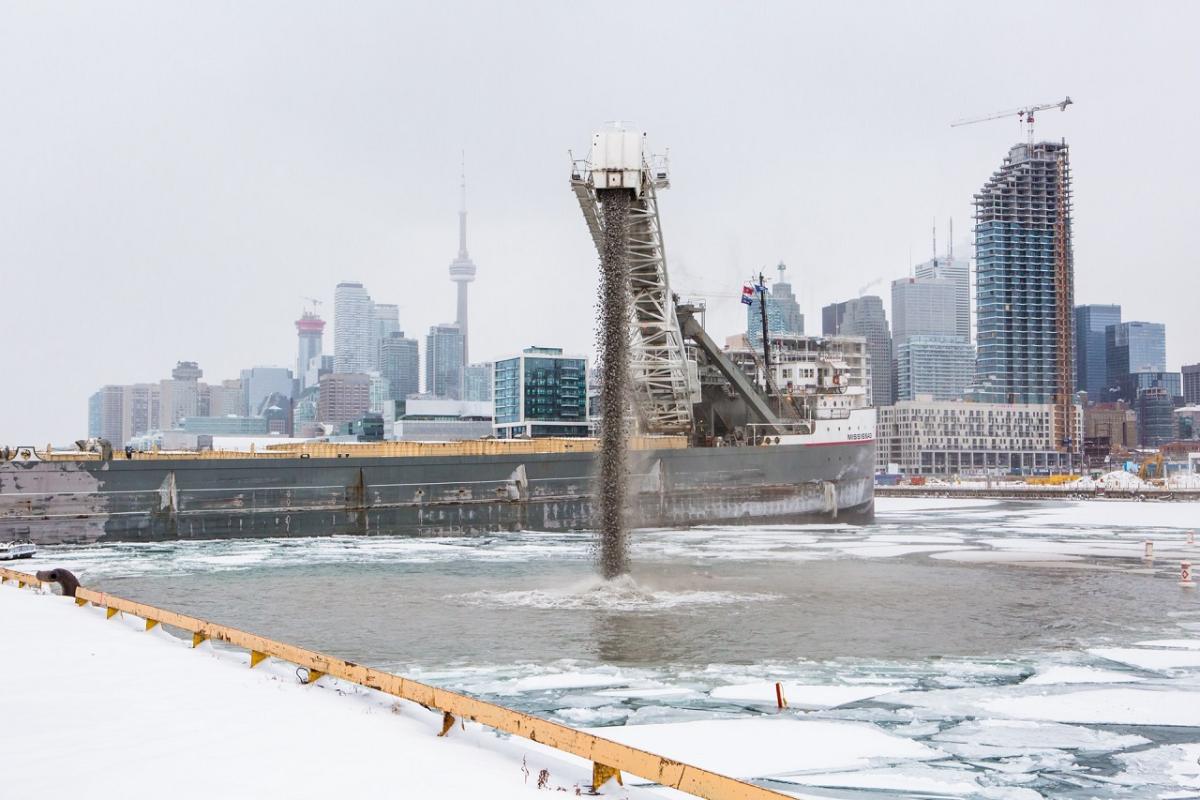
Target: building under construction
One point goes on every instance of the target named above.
(1025, 294)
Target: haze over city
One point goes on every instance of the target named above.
(178, 178)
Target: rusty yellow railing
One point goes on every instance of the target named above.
(609, 759)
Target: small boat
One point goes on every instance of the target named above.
(14, 550)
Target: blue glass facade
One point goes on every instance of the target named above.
(507, 390)
(541, 393)
(1091, 354)
(1023, 301)
(1132, 384)
(1155, 418)
(1134, 348)
(783, 314)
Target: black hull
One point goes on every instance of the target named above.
(56, 502)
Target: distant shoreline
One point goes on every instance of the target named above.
(1039, 493)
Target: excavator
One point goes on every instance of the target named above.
(1153, 469)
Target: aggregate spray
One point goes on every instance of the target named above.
(613, 346)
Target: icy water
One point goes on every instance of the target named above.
(1002, 637)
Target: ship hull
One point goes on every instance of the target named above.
(58, 502)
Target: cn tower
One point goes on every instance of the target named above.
(462, 269)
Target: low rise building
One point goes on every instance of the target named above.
(540, 392)
(929, 437)
(438, 419)
(1112, 425)
(343, 397)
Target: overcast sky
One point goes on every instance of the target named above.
(176, 177)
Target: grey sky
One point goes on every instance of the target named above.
(175, 177)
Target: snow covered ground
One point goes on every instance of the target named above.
(1115, 480)
(102, 709)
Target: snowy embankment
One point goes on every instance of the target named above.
(106, 709)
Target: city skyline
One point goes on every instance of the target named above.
(341, 194)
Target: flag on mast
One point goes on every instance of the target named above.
(747, 294)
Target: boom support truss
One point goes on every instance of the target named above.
(661, 385)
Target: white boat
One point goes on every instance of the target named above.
(13, 550)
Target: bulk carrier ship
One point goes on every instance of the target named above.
(783, 438)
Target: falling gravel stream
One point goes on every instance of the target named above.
(613, 344)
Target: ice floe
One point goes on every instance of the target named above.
(1170, 707)
(771, 746)
(1186, 644)
(1149, 659)
(1065, 674)
(1025, 735)
(798, 695)
(947, 781)
(1170, 765)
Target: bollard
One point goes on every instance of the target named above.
(1185, 575)
(1149, 554)
(780, 700)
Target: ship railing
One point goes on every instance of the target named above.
(609, 758)
(764, 434)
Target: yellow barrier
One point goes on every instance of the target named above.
(609, 759)
(21, 578)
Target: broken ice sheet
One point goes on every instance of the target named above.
(1168, 707)
(1017, 733)
(1149, 659)
(798, 695)
(770, 746)
(913, 778)
(1170, 765)
(1066, 674)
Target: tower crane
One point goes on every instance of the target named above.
(316, 304)
(1026, 114)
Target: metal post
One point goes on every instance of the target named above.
(762, 304)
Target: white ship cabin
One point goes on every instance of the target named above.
(829, 386)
